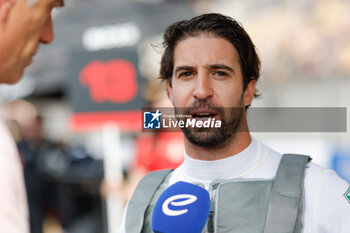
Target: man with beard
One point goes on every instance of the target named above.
(24, 25)
(211, 137)
(211, 68)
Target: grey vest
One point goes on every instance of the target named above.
(237, 205)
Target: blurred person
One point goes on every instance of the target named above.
(13, 203)
(34, 148)
(23, 26)
(211, 67)
(61, 181)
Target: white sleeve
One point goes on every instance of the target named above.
(333, 214)
(13, 201)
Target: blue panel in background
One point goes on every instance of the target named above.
(340, 162)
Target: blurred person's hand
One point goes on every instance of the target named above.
(23, 26)
(110, 188)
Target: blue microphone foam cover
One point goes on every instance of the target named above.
(181, 208)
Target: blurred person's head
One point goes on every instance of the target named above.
(24, 24)
(33, 130)
(215, 25)
(26, 115)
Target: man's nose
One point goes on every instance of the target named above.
(47, 34)
(203, 88)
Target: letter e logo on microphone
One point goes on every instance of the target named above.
(189, 199)
(182, 207)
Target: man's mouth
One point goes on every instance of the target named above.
(203, 114)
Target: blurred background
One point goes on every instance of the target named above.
(76, 115)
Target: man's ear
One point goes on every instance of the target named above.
(169, 89)
(5, 8)
(249, 92)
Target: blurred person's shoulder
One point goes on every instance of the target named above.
(6, 139)
(9, 157)
(13, 202)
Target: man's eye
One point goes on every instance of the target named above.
(220, 73)
(186, 74)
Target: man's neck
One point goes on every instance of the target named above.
(237, 144)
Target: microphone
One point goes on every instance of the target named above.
(182, 207)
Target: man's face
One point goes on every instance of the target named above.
(22, 29)
(207, 82)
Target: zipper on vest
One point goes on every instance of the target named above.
(211, 222)
(210, 226)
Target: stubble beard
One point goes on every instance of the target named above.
(217, 138)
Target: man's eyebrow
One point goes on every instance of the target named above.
(213, 66)
(181, 68)
(221, 66)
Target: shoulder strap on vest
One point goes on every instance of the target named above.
(286, 194)
(141, 198)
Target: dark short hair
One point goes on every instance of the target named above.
(217, 25)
